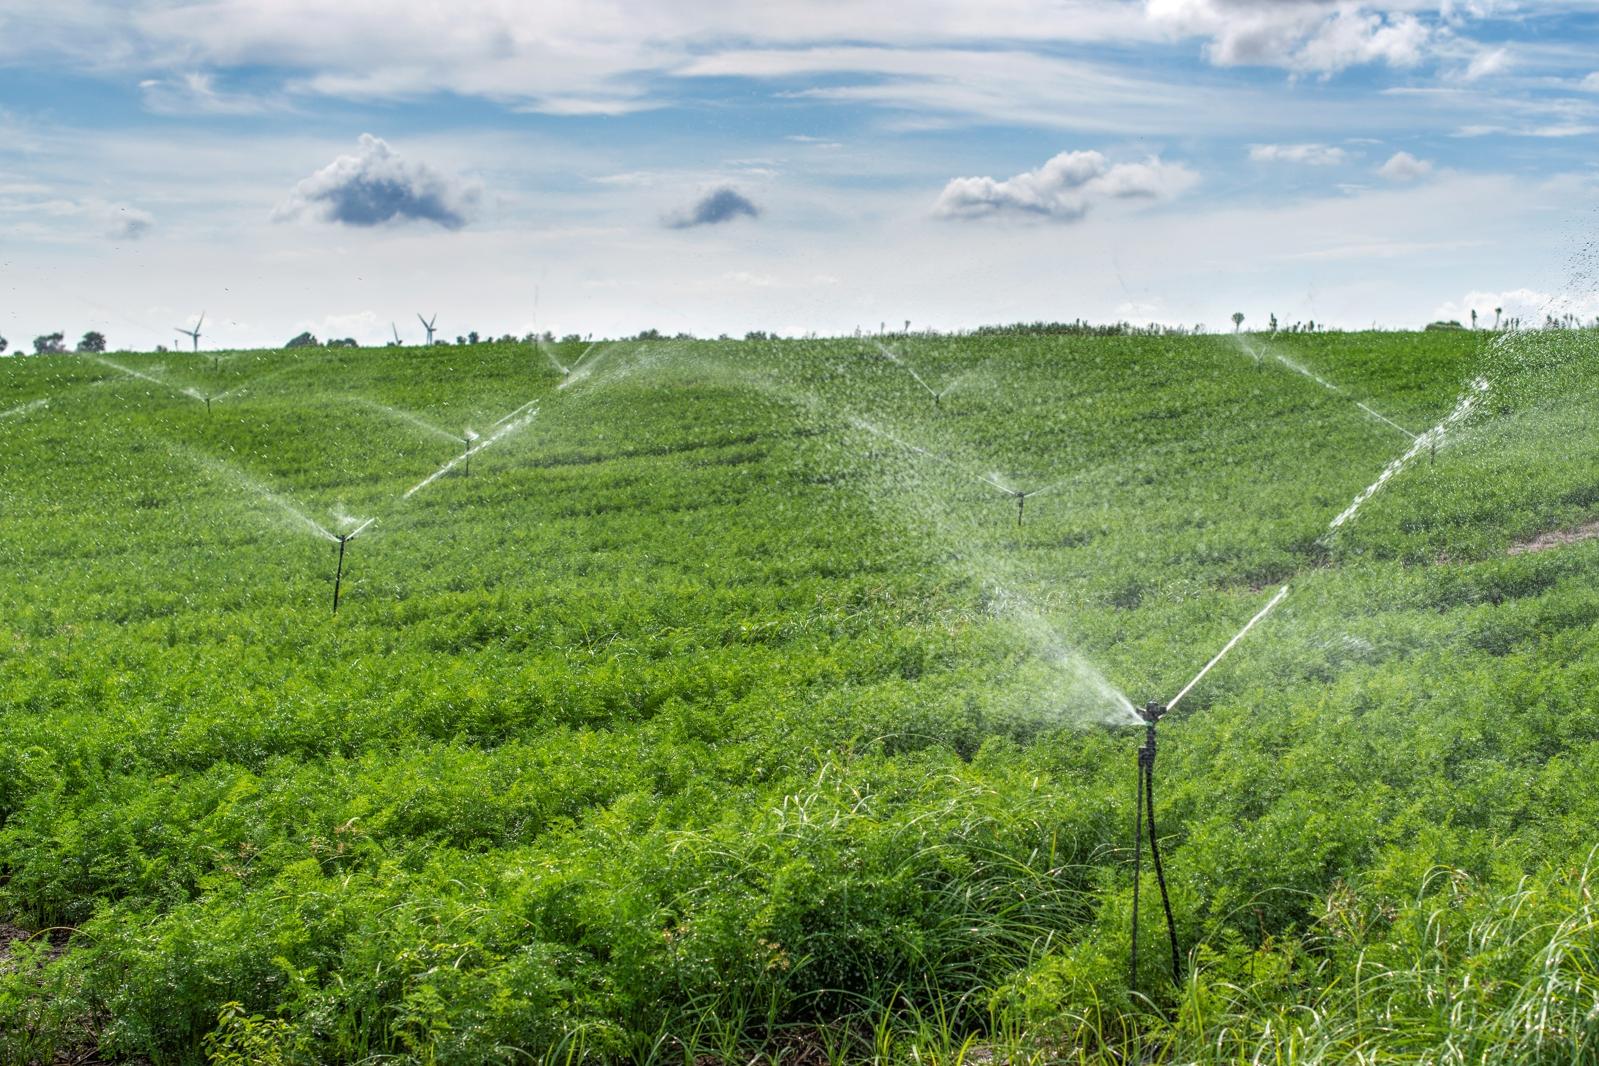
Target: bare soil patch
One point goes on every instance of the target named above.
(1555, 539)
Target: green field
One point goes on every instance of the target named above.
(723, 711)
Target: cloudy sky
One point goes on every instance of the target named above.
(811, 165)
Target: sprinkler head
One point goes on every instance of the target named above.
(1152, 712)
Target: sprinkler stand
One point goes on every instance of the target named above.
(338, 576)
(1021, 502)
(1151, 714)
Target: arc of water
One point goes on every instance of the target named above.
(1324, 383)
(1435, 436)
(248, 483)
(128, 370)
(25, 408)
(549, 353)
(894, 358)
(862, 424)
(406, 416)
(1262, 613)
(493, 438)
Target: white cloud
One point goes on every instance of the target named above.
(196, 93)
(1301, 36)
(1315, 155)
(87, 217)
(1402, 166)
(376, 186)
(1528, 305)
(1486, 63)
(1063, 189)
(1591, 82)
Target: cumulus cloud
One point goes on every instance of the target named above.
(1402, 166)
(1303, 36)
(1063, 189)
(1314, 155)
(1591, 82)
(376, 186)
(721, 204)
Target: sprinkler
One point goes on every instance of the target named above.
(1021, 503)
(338, 580)
(1145, 806)
(466, 457)
(343, 540)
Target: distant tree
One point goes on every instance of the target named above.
(161, 348)
(50, 343)
(346, 342)
(571, 338)
(1274, 322)
(1238, 320)
(460, 340)
(471, 338)
(1473, 318)
(4, 344)
(1497, 312)
(648, 335)
(92, 341)
(1442, 325)
(756, 335)
(304, 340)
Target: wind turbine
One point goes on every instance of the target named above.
(396, 329)
(428, 325)
(194, 334)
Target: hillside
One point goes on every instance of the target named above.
(723, 708)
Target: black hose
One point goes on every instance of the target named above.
(1160, 873)
(1138, 859)
(1145, 808)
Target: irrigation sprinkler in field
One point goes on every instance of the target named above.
(1144, 808)
(893, 357)
(1152, 713)
(466, 456)
(343, 541)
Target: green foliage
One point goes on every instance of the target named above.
(705, 718)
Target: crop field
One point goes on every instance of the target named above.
(730, 705)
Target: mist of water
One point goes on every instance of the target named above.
(256, 488)
(987, 479)
(407, 417)
(894, 358)
(141, 375)
(24, 408)
(549, 353)
(1427, 441)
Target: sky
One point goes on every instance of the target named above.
(813, 166)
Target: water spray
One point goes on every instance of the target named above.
(1153, 712)
(1145, 807)
(897, 361)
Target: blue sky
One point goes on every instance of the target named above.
(811, 166)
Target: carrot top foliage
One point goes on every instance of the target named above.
(724, 709)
